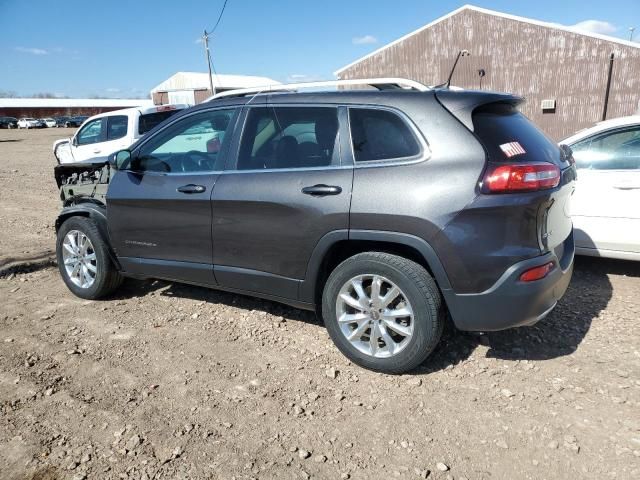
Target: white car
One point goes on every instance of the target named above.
(101, 135)
(49, 122)
(27, 122)
(606, 204)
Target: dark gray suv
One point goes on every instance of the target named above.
(383, 210)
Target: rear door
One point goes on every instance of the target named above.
(160, 206)
(286, 187)
(117, 136)
(605, 208)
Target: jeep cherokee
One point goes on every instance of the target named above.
(384, 210)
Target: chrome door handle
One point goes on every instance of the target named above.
(322, 190)
(191, 188)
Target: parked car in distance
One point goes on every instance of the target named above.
(8, 122)
(606, 205)
(383, 210)
(28, 122)
(61, 121)
(106, 133)
(49, 122)
(74, 122)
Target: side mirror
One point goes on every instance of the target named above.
(74, 141)
(566, 153)
(120, 160)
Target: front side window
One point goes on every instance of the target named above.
(289, 137)
(91, 132)
(619, 150)
(192, 144)
(380, 135)
(117, 127)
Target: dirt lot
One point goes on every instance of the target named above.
(171, 381)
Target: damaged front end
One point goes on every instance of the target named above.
(83, 182)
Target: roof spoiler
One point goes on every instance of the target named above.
(461, 104)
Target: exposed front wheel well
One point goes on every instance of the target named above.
(344, 249)
(64, 217)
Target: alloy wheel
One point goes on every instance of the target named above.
(79, 259)
(374, 315)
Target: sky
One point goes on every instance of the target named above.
(118, 48)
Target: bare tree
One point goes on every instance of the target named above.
(8, 94)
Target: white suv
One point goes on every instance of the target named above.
(101, 135)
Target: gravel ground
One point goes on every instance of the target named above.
(172, 381)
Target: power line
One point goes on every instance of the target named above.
(205, 39)
(224, 5)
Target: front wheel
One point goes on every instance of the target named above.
(83, 259)
(383, 312)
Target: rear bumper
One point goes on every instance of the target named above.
(511, 302)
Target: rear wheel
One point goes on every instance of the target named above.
(383, 312)
(83, 259)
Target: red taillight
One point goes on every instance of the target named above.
(537, 273)
(519, 177)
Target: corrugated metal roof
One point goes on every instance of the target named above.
(556, 26)
(74, 102)
(200, 81)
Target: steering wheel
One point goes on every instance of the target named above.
(191, 164)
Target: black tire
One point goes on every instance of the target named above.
(420, 290)
(107, 278)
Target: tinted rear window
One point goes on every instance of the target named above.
(380, 135)
(499, 126)
(151, 120)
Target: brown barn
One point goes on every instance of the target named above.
(562, 73)
(54, 107)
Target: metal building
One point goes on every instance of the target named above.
(53, 107)
(562, 73)
(193, 87)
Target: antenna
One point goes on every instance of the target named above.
(447, 84)
(631, 30)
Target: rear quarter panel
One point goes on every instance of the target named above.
(421, 198)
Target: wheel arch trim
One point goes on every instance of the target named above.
(96, 212)
(307, 288)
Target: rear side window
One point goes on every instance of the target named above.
(510, 136)
(380, 135)
(289, 137)
(117, 127)
(150, 120)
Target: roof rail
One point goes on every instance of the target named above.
(379, 83)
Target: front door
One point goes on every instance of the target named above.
(605, 208)
(286, 187)
(86, 143)
(159, 207)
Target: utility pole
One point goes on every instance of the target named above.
(631, 30)
(205, 40)
(606, 93)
